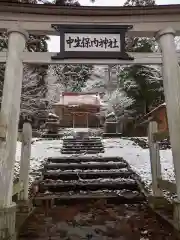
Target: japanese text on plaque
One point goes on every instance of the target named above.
(87, 42)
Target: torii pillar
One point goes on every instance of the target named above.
(171, 81)
(9, 118)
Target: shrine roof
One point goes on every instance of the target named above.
(153, 114)
(155, 110)
(79, 99)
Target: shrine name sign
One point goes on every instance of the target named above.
(92, 41)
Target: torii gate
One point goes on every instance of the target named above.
(163, 22)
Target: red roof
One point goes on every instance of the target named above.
(79, 99)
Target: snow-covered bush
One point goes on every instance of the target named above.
(118, 102)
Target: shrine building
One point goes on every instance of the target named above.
(78, 110)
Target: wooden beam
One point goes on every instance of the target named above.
(25, 159)
(45, 58)
(154, 159)
(17, 188)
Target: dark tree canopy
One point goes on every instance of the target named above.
(56, 2)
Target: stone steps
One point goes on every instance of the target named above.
(79, 159)
(52, 136)
(85, 145)
(82, 151)
(82, 145)
(55, 186)
(74, 175)
(85, 166)
(79, 148)
(81, 141)
(69, 179)
(122, 197)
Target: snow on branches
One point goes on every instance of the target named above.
(118, 102)
(33, 93)
(54, 89)
(105, 80)
(72, 77)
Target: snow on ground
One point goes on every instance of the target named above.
(137, 157)
(40, 150)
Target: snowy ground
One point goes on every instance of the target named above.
(137, 157)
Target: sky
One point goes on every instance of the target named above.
(54, 45)
(121, 2)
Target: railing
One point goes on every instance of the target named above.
(15, 214)
(158, 200)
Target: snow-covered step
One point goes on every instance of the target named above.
(118, 196)
(55, 186)
(84, 138)
(78, 143)
(74, 159)
(51, 136)
(82, 149)
(85, 141)
(82, 152)
(74, 175)
(82, 144)
(88, 146)
(74, 148)
(90, 165)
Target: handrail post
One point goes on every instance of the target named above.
(25, 160)
(24, 205)
(154, 159)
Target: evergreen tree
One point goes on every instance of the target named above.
(142, 83)
(72, 78)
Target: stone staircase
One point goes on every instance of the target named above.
(65, 179)
(52, 136)
(86, 145)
